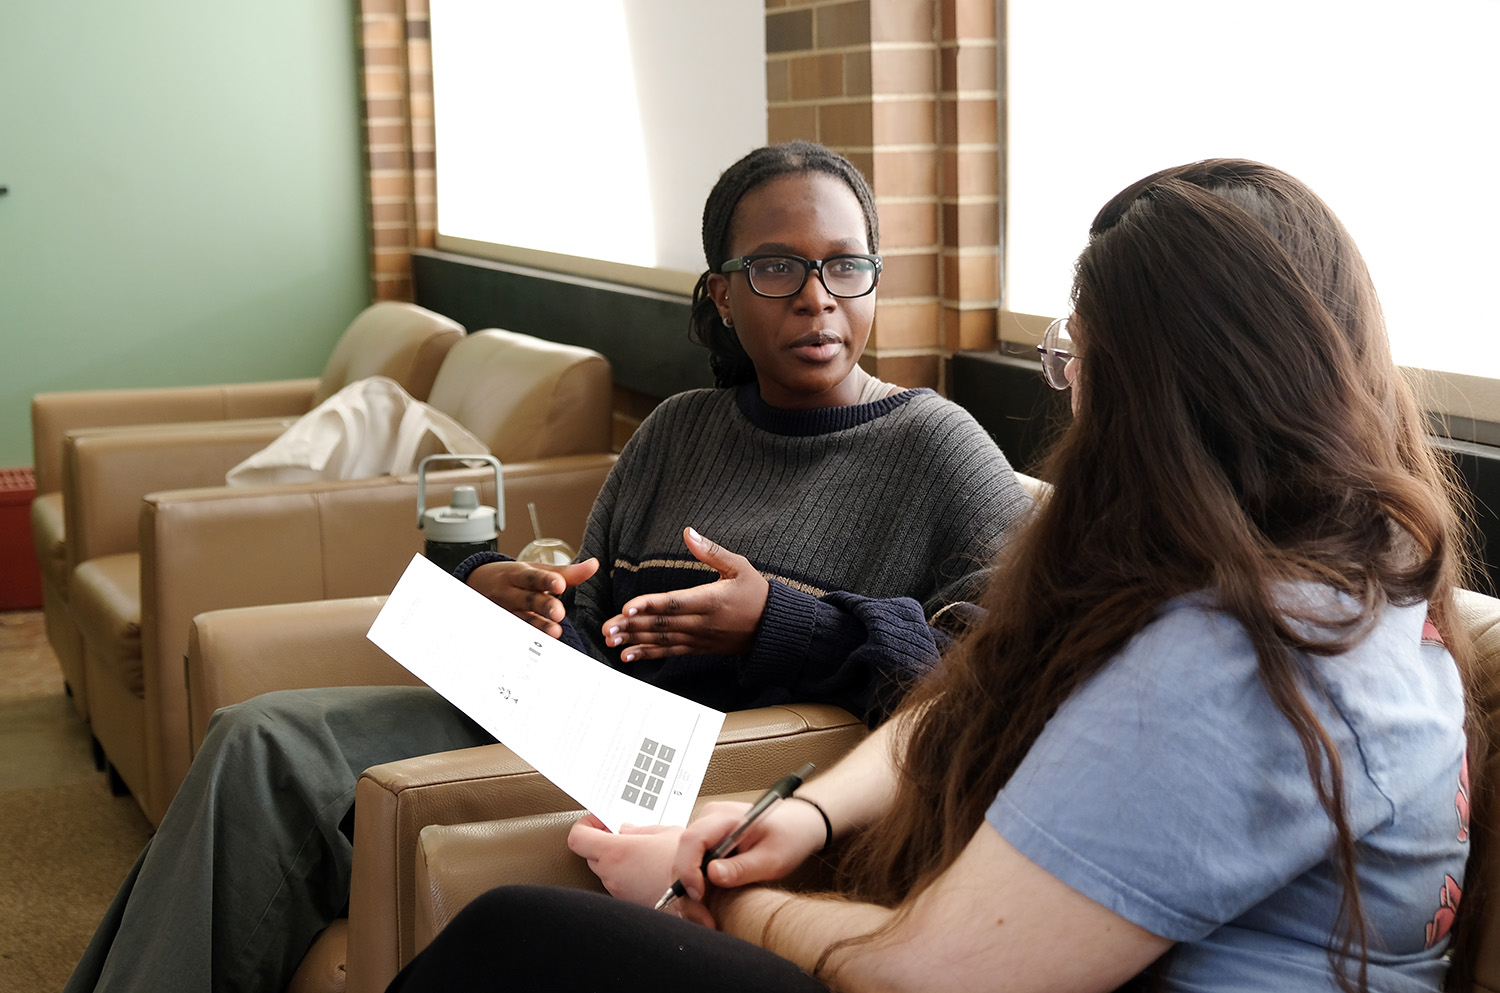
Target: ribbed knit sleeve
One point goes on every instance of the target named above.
(858, 652)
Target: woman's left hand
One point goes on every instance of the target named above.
(718, 618)
(634, 865)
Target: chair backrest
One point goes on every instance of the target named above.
(527, 398)
(400, 341)
(1480, 614)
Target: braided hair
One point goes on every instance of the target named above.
(727, 358)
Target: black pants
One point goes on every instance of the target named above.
(535, 938)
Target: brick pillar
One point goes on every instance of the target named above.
(906, 90)
(396, 118)
(970, 136)
(906, 177)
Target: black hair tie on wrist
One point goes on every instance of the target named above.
(827, 824)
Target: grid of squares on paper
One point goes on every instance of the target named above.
(648, 778)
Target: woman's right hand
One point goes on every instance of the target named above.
(530, 590)
(777, 844)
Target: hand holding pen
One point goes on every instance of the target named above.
(782, 789)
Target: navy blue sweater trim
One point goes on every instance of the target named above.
(822, 420)
(464, 569)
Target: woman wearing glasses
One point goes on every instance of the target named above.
(834, 512)
(1210, 735)
(837, 515)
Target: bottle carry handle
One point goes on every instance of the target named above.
(422, 484)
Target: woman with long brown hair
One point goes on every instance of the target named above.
(1211, 731)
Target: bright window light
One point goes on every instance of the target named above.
(595, 128)
(1387, 110)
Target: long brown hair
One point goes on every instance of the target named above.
(1241, 425)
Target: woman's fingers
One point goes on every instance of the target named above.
(716, 618)
(640, 653)
(577, 572)
(586, 837)
(716, 821)
(659, 637)
(661, 625)
(657, 609)
(753, 865)
(531, 591)
(726, 563)
(546, 625)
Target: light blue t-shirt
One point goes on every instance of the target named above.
(1172, 791)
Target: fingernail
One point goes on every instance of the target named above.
(615, 629)
(633, 611)
(695, 536)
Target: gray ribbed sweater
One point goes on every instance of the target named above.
(866, 519)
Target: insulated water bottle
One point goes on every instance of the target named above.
(465, 526)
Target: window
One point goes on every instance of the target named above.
(596, 133)
(1386, 109)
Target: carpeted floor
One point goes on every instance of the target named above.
(65, 842)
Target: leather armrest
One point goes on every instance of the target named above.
(394, 802)
(457, 862)
(54, 414)
(234, 655)
(107, 471)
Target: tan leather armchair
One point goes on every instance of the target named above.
(455, 863)
(399, 340)
(187, 551)
(234, 655)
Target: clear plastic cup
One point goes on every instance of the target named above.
(546, 551)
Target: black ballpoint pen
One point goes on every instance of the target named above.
(783, 788)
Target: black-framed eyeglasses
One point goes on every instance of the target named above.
(1057, 351)
(778, 276)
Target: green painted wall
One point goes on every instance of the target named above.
(185, 204)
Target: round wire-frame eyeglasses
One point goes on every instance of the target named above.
(1056, 350)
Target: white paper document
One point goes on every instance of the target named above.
(630, 752)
